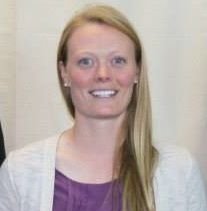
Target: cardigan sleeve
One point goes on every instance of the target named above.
(8, 193)
(196, 189)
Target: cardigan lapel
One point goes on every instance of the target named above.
(48, 180)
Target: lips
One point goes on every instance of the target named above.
(103, 93)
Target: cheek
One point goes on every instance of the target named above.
(79, 86)
(127, 79)
(79, 79)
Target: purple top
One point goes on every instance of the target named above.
(70, 195)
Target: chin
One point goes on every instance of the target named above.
(104, 113)
(108, 114)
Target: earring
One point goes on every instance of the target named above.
(66, 84)
(136, 81)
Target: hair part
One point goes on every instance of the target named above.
(138, 157)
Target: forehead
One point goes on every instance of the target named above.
(96, 36)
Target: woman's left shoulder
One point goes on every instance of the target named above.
(178, 181)
(177, 168)
(175, 158)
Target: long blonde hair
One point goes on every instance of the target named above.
(138, 156)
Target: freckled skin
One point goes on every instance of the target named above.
(100, 47)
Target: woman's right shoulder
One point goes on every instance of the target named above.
(24, 168)
(32, 154)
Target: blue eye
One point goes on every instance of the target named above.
(85, 62)
(118, 61)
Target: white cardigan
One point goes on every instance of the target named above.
(27, 179)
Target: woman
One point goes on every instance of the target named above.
(106, 161)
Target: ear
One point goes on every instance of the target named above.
(137, 75)
(63, 72)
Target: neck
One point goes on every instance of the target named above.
(98, 136)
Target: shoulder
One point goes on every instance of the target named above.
(177, 169)
(178, 180)
(174, 158)
(31, 155)
(32, 164)
(175, 166)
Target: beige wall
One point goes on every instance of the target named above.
(7, 70)
(174, 35)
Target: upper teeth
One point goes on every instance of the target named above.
(103, 93)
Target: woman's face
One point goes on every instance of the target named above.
(101, 70)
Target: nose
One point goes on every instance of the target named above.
(103, 73)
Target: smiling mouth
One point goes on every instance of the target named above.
(103, 93)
